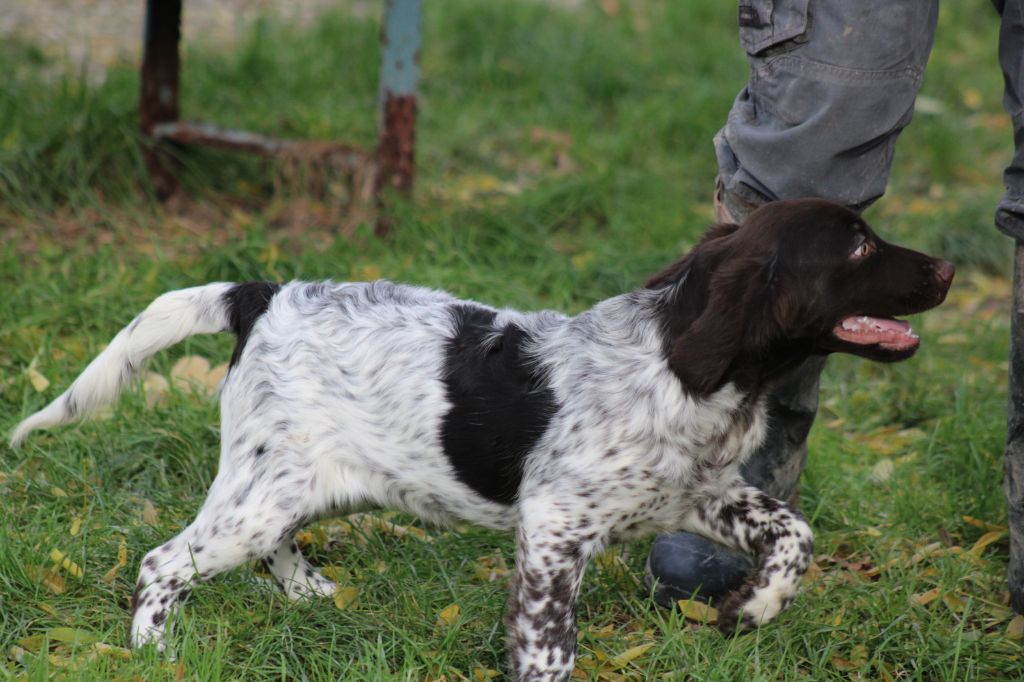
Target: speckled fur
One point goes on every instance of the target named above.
(335, 405)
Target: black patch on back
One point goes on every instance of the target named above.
(501, 404)
(246, 302)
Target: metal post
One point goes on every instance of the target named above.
(399, 74)
(158, 94)
(1013, 482)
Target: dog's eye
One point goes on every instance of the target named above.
(863, 250)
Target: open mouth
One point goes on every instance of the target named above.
(887, 333)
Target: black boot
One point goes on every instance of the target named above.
(683, 565)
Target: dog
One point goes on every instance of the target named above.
(631, 418)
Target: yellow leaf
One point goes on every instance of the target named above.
(1015, 630)
(149, 513)
(837, 620)
(76, 525)
(972, 98)
(109, 650)
(925, 598)
(882, 471)
(982, 524)
(698, 611)
(623, 659)
(59, 559)
(345, 596)
(955, 603)
(483, 674)
(491, 568)
(843, 664)
(984, 541)
(71, 636)
(47, 578)
(190, 372)
(155, 387)
(58, 492)
(603, 632)
(122, 561)
(448, 615)
(365, 273)
(38, 381)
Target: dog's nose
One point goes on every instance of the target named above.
(944, 271)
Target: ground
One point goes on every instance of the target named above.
(563, 154)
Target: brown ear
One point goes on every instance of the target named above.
(740, 318)
(672, 273)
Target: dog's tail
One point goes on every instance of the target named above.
(209, 309)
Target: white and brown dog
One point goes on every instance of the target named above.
(631, 418)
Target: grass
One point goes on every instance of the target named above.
(563, 154)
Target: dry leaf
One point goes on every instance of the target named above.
(47, 578)
(448, 615)
(985, 525)
(925, 598)
(155, 386)
(623, 659)
(984, 541)
(149, 514)
(491, 568)
(190, 372)
(76, 526)
(484, 674)
(60, 560)
(58, 492)
(1015, 630)
(38, 381)
(698, 611)
(955, 603)
(882, 471)
(122, 561)
(345, 596)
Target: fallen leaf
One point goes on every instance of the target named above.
(60, 560)
(491, 568)
(623, 659)
(149, 513)
(483, 674)
(47, 578)
(122, 561)
(76, 526)
(58, 492)
(1015, 629)
(985, 525)
(448, 615)
(345, 596)
(190, 372)
(882, 471)
(155, 387)
(984, 541)
(38, 381)
(698, 611)
(926, 597)
(71, 636)
(955, 603)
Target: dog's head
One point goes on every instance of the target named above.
(798, 278)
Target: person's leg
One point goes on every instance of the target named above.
(1010, 221)
(832, 84)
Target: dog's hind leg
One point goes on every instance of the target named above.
(779, 538)
(240, 520)
(297, 576)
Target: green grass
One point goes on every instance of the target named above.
(632, 102)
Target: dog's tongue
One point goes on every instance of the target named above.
(883, 331)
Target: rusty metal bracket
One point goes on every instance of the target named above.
(391, 164)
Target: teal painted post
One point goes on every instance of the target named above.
(399, 76)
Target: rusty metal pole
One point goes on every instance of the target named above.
(399, 75)
(1013, 482)
(158, 93)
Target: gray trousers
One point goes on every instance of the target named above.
(832, 84)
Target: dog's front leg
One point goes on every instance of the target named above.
(552, 551)
(775, 534)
